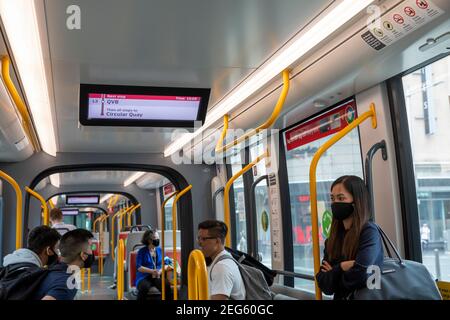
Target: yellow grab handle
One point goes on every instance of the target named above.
(313, 186)
(16, 187)
(197, 276)
(174, 237)
(41, 199)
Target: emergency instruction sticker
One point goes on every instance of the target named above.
(402, 20)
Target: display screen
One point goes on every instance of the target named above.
(142, 106)
(69, 212)
(94, 199)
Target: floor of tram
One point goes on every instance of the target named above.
(99, 289)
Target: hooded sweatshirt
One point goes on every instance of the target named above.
(22, 256)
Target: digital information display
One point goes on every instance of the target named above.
(82, 199)
(142, 106)
(70, 212)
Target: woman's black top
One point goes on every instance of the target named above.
(342, 283)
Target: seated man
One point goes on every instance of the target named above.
(76, 253)
(224, 277)
(56, 218)
(41, 250)
(148, 266)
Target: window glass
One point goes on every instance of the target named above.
(239, 203)
(343, 158)
(262, 208)
(427, 94)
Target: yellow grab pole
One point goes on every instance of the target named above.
(95, 221)
(219, 144)
(130, 213)
(21, 107)
(44, 205)
(270, 121)
(226, 194)
(124, 213)
(163, 228)
(112, 233)
(120, 270)
(174, 237)
(197, 276)
(313, 186)
(89, 279)
(82, 280)
(16, 187)
(50, 202)
(100, 259)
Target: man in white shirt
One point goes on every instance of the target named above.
(225, 280)
(56, 218)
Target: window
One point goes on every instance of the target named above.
(427, 93)
(343, 158)
(168, 190)
(262, 208)
(239, 203)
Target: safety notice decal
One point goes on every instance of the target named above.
(405, 18)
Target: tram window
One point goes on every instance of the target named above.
(343, 158)
(239, 203)
(262, 208)
(427, 93)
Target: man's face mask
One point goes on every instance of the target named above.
(53, 258)
(89, 260)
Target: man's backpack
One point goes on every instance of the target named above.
(20, 281)
(246, 259)
(256, 287)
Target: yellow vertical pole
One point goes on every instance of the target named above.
(174, 237)
(82, 280)
(313, 185)
(226, 194)
(89, 279)
(44, 204)
(16, 187)
(197, 276)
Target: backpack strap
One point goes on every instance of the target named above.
(222, 257)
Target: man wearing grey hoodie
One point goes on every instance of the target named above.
(42, 243)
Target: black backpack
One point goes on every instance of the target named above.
(248, 260)
(20, 281)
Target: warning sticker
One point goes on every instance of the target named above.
(402, 20)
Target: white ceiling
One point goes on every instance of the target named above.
(195, 43)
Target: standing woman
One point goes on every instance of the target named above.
(148, 265)
(354, 243)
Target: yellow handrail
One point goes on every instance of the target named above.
(82, 280)
(219, 144)
(130, 213)
(100, 259)
(21, 107)
(120, 270)
(163, 228)
(95, 221)
(313, 187)
(197, 276)
(174, 237)
(226, 193)
(50, 202)
(119, 219)
(16, 187)
(113, 232)
(275, 113)
(42, 200)
(89, 279)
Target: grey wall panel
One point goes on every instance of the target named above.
(24, 172)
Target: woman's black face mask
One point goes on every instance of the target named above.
(155, 242)
(342, 210)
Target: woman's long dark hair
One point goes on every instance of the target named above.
(343, 244)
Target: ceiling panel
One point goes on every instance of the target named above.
(196, 43)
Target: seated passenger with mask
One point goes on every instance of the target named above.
(41, 249)
(149, 266)
(76, 253)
